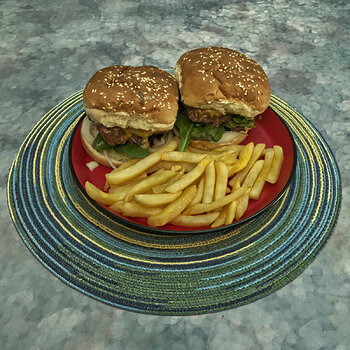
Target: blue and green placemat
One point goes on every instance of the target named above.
(168, 274)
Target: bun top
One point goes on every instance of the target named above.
(222, 79)
(144, 97)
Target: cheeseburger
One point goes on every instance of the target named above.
(130, 111)
(221, 90)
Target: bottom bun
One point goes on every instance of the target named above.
(228, 138)
(109, 158)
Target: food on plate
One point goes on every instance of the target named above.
(174, 209)
(242, 205)
(157, 199)
(125, 174)
(261, 179)
(274, 172)
(130, 113)
(212, 192)
(195, 220)
(256, 154)
(222, 91)
(190, 177)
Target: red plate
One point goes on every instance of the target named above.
(269, 129)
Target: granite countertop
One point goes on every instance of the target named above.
(49, 50)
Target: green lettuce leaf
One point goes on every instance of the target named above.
(208, 133)
(190, 130)
(185, 126)
(133, 150)
(100, 144)
(243, 122)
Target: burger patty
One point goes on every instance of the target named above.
(117, 136)
(198, 115)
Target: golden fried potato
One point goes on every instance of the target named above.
(275, 169)
(172, 210)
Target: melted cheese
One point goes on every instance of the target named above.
(211, 113)
(145, 134)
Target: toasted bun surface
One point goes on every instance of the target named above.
(222, 79)
(144, 97)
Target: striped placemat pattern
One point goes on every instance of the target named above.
(159, 273)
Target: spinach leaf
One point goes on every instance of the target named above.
(133, 150)
(208, 133)
(185, 126)
(190, 130)
(100, 144)
(242, 121)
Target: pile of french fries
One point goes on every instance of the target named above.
(193, 188)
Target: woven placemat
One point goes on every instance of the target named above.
(168, 274)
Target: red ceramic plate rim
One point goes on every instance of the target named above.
(269, 129)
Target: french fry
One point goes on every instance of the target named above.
(195, 220)
(189, 157)
(257, 152)
(260, 181)
(126, 164)
(116, 206)
(242, 205)
(190, 177)
(201, 208)
(220, 219)
(169, 165)
(115, 178)
(102, 197)
(172, 210)
(253, 173)
(243, 159)
(233, 148)
(127, 185)
(190, 188)
(221, 180)
(161, 188)
(200, 190)
(231, 207)
(275, 169)
(229, 158)
(176, 168)
(147, 184)
(231, 212)
(156, 200)
(135, 209)
(209, 183)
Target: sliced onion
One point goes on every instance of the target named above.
(105, 153)
(92, 165)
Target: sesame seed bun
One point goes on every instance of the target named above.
(144, 97)
(224, 80)
(140, 100)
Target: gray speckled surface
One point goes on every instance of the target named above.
(49, 50)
